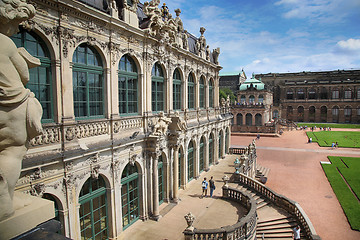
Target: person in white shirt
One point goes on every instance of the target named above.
(296, 232)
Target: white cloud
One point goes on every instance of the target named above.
(350, 44)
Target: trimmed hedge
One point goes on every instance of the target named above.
(344, 139)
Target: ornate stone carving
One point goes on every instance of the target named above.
(161, 127)
(37, 190)
(68, 37)
(20, 111)
(86, 130)
(48, 136)
(215, 55)
(126, 124)
(190, 218)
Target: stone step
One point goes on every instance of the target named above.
(280, 226)
(278, 232)
(275, 221)
(261, 205)
(266, 172)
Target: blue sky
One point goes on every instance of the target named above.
(277, 35)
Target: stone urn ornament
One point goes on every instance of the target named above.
(190, 218)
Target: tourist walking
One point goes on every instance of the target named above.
(204, 186)
(296, 232)
(212, 186)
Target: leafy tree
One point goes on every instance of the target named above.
(224, 92)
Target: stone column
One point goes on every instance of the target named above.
(176, 174)
(156, 214)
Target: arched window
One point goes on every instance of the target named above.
(323, 114)
(312, 93)
(248, 119)
(88, 84)
(190, 161)
(161, 180)
(211, 149)
(300, 114)
(93, 210)
(239, 119)
(179, 167)
(251, 99)
(157, 88)
(191, 91)
(290, 94)
(243, 99)
(40, 77)
(300, 94)
(202, 155)
(220, 144)
(128, 86)
(211, 94)
(347, 114)
(130, 195)
(261, 99)
(258, 119)
(176, 90)
(335, 114)
(202, 92)
(312, 114)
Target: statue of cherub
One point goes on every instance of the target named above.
(161, 126)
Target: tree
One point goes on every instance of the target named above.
(224, 92)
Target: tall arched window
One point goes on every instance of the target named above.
(202, 92)
(335, 114)
(348, 94)
(161, 180)
(88, 85)
(176, 90)
(220, 144)
(248, 119)
(211, 93)
(261, 99)
(191, 91)
(157, 88)
(347, 114)
(211, 150)
(239, 119)
(251, 99)
(128, 86)
(311, 114)
(190, 161)
(40, 77)
(93, 210)
(300, 111)
(130, 195)
(242, 99)
(258, 119)
(202, 155)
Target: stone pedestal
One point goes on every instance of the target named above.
(26, 218)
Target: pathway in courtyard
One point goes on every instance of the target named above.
(297, 174)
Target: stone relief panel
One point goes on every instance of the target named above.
(50, 135)
(86, 130)
(126, 124)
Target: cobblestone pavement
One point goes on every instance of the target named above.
(297, 174)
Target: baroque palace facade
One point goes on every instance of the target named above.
(328, 96)
(131, 111)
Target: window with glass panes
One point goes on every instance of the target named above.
(335, 94)
(220, 143)
(211, 150)
(312, 93)
(130, 195)
(88, 86)
(190, 161)
(176, 90)
(201, 153)
(335, 111)
(347, 94)
(157, 88)
(191, 92)
(40, 77)
(211, 94)
(289, 94)
(161, 180)
(227, 139)
(300, 94)
(202, 92)
(243, 99)
(261, 99)
(347, 111)
(239, 119)
(93, 210)
(128, 86)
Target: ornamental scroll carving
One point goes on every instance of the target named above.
(50, 135)
(86, 130)
(127, 124)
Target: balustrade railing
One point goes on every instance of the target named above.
(283, 202)
(244, 229)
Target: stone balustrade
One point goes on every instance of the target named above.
(281, 201)
(245, 228)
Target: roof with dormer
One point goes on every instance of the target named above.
(252, 83)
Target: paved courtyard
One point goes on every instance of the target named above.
(295, 172)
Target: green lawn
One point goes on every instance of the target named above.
(344, 139)
(350, 170)
(332, 125)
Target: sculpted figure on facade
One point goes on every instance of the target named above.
(20, 111)
(215, 54)
(201, 43)
(185, 40)
(161, 127)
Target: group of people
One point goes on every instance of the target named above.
(314, 128)
(205, 185)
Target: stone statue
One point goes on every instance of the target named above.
(20, 111)
(161, 126)
(215, 54)
(207, 51)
